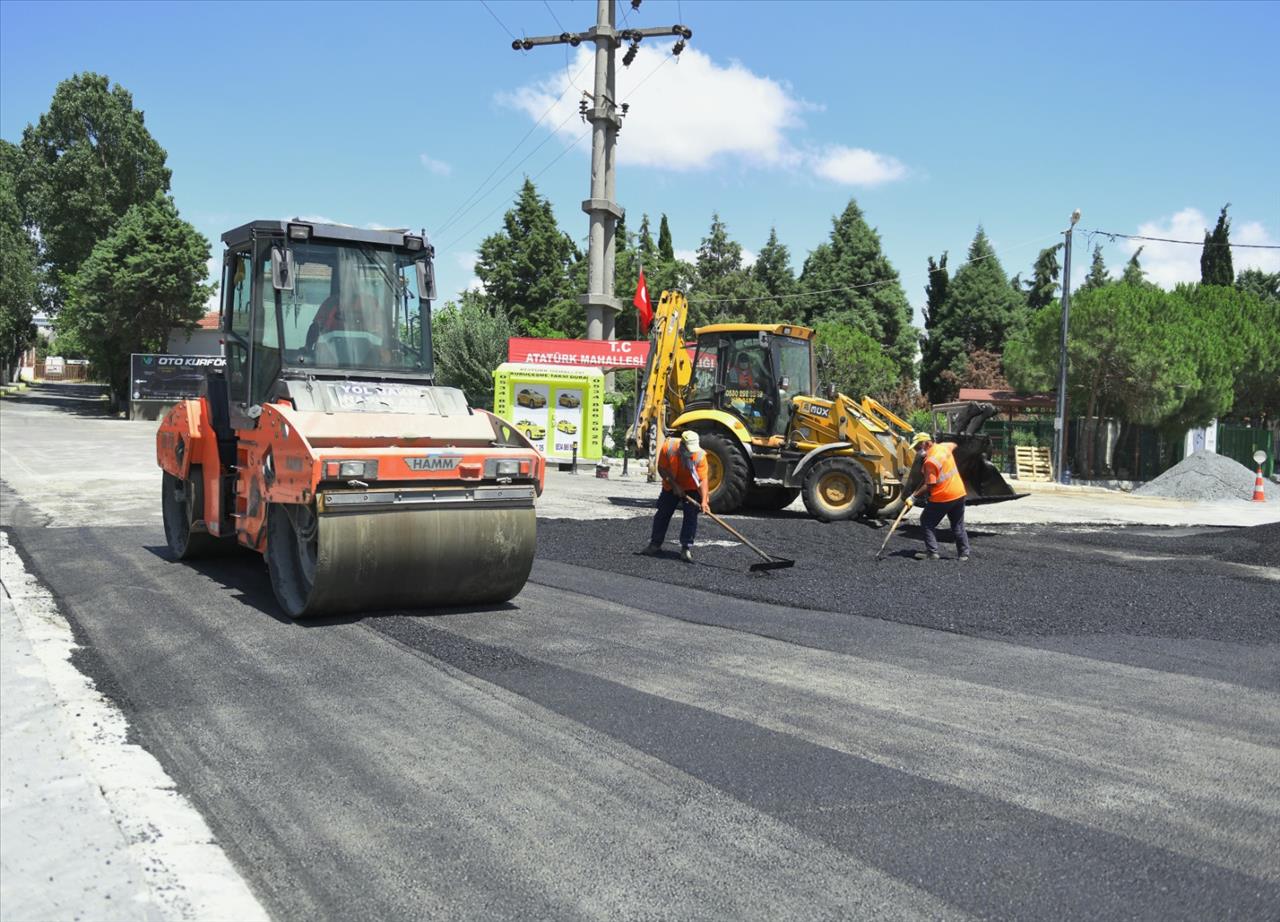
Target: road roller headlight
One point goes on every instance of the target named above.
(351, 470)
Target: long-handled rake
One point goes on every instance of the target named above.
(770, 562)
(880, 552)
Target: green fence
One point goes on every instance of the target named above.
(1240, 442)
(1136, 452)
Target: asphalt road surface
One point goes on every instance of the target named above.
(1073, 724)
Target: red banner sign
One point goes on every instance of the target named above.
(594, 353)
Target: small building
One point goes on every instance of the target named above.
(205, 339)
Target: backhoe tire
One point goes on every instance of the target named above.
(728, 476)
(182, 508)
(771, 499)
(836, 489)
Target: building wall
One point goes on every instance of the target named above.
(197, 342)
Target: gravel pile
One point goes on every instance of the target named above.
(1205, 477)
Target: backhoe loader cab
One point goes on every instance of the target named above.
(753, 373)
(328, 447)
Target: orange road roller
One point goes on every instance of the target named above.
(326, 445)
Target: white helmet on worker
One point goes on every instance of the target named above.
(920, 438)
(689, 440)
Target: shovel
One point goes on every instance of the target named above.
(770, 563)
(880, 552)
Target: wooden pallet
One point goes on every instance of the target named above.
(1032, 463)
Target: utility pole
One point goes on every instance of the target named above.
(605, 116)
(1060, 421)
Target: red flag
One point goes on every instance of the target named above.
(643, 308)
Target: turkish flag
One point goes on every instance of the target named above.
(643, 308)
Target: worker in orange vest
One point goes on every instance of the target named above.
(682, 465)
(946, 495)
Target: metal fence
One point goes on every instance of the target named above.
(1122, 451)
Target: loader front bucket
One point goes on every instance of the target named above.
(982, 479)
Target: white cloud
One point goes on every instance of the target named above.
(431, 165)
(467, 263)
(1167, 264)
(856, 166)
(686, 114)
(317, 219)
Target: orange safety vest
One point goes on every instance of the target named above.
(689, 471)
(941, 474)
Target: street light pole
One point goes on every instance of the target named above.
(1060, 421)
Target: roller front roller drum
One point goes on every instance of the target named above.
(403, 557)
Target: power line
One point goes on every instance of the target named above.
(499, 21)
(1194, 243)
(549, 165)
(477, 194)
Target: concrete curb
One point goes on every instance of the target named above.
(92, 825)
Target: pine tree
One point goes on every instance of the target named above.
(936, 353)
(724, 290)
(1043, 288)
(1097, 277)
(1215, 259)
(666, 249)
(772, 269)
(648, 249)
(850, 280)
(1133, 274)
(527, 267)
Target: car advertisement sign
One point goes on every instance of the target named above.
(559, 409)
(160, 376)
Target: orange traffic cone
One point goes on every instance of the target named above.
(1259, 491)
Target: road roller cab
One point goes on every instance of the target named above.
(327, 445)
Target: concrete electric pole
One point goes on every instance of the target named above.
(1060, 420)
(605, 116)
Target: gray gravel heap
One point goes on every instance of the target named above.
(1205, 477)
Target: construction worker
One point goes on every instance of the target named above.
(946, 495)
(683, 466)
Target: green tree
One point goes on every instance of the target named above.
(644, 242)
(140, 282)
(723, 290)
(666, 249)
(1264, 285)
(1215, 258)
(772, 270)
(849, 279)
(1133, 272)
(86, 162)
(981, 309)
(527, 267)
(470, 340)
(938, 354)
(18, 278)
(1043, 288)
(1097, 276)
(851, 360)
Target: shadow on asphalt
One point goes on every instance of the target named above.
(245, 573)
(76, 399)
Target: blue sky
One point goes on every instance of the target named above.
(936, 117)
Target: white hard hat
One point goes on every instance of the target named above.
(690, 440)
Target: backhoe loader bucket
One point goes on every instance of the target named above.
(982, 479)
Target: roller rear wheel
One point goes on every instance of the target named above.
(182, 508)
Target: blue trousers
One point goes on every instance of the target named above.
(667, 503)
(931, 518)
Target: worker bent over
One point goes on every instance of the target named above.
(682, 465)
(946, 495)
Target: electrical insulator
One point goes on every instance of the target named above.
(630, 55)
(635, 4)
(626, 106)
(677, 48)
(582, 109)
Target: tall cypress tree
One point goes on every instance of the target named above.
(849, 279)
(666, 249)
(1215, 259)
(648, 249)
(936, 352)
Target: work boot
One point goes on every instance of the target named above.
(651, 550)
(963, 555)
(686, 554)
(927, 555)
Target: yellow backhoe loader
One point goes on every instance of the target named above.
(749, 392)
